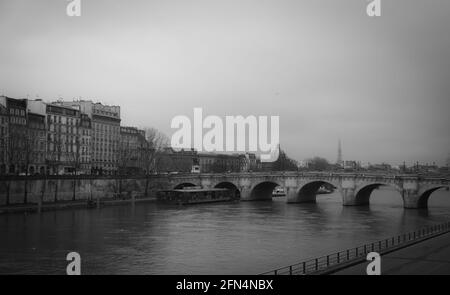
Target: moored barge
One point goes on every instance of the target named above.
(189, 196)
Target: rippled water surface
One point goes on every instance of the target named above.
(225, 238)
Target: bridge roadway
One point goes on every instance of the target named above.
(354, 188)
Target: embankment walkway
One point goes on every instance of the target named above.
(429, 257)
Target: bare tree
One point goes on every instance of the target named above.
(14, 152)
(74, 153)
(318, 164)
(56, 149)
(151, 151)
(22, 150)
(124, 156)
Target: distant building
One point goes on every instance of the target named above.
(37, 140)
(131, 146)
(17, 144)
(85, 144)
(427, 168)
(63, 142)
(267, 166)
(218, 163)
(182, 161)
(37, 130)
(249, 162)
(351, 165)
(105, 134)
(3, 135)
(380, 167)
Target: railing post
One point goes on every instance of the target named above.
(317, 263)
(275, 272)
(348, 254)
(365, 249)
(304, 267)
(328, 260)
(338, 257)
(290, 269)
(356, 251)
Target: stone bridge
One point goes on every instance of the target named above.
(354, 188)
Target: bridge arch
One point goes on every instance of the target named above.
(363, 193)
(231, 186)
(422, 202)
(307, 193)
(263, 190)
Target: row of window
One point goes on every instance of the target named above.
(18, 120)
(106, 113)
(63, 120)
(17, 112)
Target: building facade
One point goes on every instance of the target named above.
(181, 161)
(3, 135)
(220, 163)
(105, 134)
(37, 137)
(85, 143)
(17, 144)
(250, 162)
(63, 145)
(132, 145)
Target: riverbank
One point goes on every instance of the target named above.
(61, 205)
(335, 262)
(428, 257)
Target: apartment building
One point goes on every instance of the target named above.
(130, 151)
(16, 143)
(37, 144)
(63, 144)
(3, 135)
(85, 142)
(105, 134)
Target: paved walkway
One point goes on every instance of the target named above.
(429, 257)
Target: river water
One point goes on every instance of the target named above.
(221, 238)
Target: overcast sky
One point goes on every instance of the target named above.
(328, 70)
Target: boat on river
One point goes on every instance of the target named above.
(278, 192)
(325, 190)
(188, 196)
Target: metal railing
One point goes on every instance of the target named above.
(323, 263)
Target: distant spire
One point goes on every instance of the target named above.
(339, 156)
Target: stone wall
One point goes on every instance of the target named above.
(20, 191)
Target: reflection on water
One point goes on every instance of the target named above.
(227, 238)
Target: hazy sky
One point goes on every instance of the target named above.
(328, 70)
